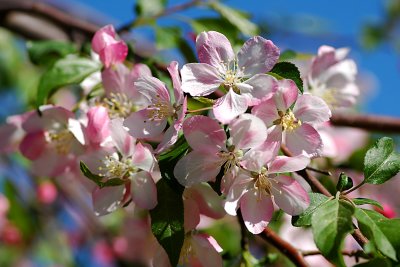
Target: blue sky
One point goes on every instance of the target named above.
(304, 26)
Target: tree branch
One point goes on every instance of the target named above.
(367, 122)
(285, 247)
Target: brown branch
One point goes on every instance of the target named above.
(318, 187)
(283, 246)
(354, 253)
(367, 122)
(163, 13)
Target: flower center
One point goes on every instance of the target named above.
(119, 105)
(115, 167)
(61, 139)
(328, 96)
(187, 251)
(160, 110)
(231, 75)
(289, 121)
(231, 158)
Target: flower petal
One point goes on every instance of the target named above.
(152, 89)
(267, 111)
(214, 48)
(33, 145)
(311, 109)
(304, 139)
(208, 201)
(257, 210)
(199, 79)
(261, 87)
(143, 158)
(204, 134)
(247, 131)
(107, 199)
(286, 94)
(176, 81)
(230, 106)
(143, 190)
(283, 164)
(122, 140)
(140, 124)
(206, 250)
(97, 128)
(197, 167)
(241, 184)
(257, 55)
(289, 195)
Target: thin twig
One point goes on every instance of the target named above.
(283, 246)
(354, 253)
(327, 173)
(163, 13)
(244, 240)
(367, 122)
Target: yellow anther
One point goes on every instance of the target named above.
(61, 139)
(119, 105)
(289, 121)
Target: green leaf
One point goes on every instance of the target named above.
(287, 55)
(391, 230)
(344, 182)
(146, 8)
(381, 162)
(215, 24)
(167, 37)
(368, 223)
(236, 18)
(64, 72)
(381, 262)
(304, 219)
(95, 178)
(167, 219)
(113, 182)
(288, 70)
(362, 201)
(331, 222)
(47, 52)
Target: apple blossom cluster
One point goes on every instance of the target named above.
(115, 139)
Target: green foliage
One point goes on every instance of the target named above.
(381, 162)
(368, 223)
(331, 222)
(363, 201)
(145, 8)
(98, 179)
(381, 262)
(167, 219)
(215, 24)
(344, 182)
(65, 71)
(47, 52)
(304, 219)
(287, 70)
(237, 18)
(167, 37)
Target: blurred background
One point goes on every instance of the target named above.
(48, 223)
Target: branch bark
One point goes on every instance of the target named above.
(367, 122)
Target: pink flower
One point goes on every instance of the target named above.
(52, 141)
(133, 163)
(295, 125)
(46, 192)
(242, 75)
(151, 121)
(212, 149)
(110, 50)
(333, 77)
(121, 96)
(260, 182)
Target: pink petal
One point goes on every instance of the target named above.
(143, 190)
(199, 79)
(247, 131)
(103, 37)
(122, 140)
(206, 250)
(229, 107)
(50, 115)
(267, 111)
(204, 134)
(286, 95)
(214, 48)
(257, 55)
(283, 164)
(153, 89)
(304, 139)
(208, 201)
(241, 185)
(257, 210)
(261, 87)
(139, 70)
(197, 167)
(256, 158)
(97, 128)
(143, 158)
(191, 214)
(107, 199)
(289, 195)
(311, 109)
(140, 124)
(176, 81)
(113, 53)
(33, 145)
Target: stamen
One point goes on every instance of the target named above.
(115, 167)
(160, 110)
(289, 121)
(61, 139)
(119, 105)
(187, 251)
